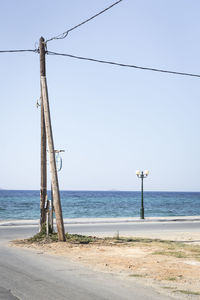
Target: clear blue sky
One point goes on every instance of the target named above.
(110, 120)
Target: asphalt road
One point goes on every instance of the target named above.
(30, 275)
(134, 227)
(13, 232)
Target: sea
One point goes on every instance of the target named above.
(25, 205)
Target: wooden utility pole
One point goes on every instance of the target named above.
(54, 176)
(43, 188)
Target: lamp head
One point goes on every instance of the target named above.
(138, 172)
(146, 172)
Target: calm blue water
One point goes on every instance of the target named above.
(90, 204)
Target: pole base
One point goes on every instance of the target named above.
(142, 213)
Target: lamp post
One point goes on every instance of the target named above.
(142, 175)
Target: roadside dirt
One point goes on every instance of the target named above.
(172, 267)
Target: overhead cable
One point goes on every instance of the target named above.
(16, 51)
(123, 65)
(64, 34)
(104, 62)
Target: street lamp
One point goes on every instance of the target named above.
(142, 175)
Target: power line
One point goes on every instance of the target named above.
(123, 65)
(16, 51)
(104, 62)
(65, 33)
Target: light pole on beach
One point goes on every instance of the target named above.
(142, 175)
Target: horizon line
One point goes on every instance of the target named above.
(109, 190)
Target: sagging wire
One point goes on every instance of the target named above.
(65, 33)
(123, 65)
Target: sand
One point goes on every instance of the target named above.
(172, 270)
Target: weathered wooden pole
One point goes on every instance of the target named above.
(43, 188)
(54, 176)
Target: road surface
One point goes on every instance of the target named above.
(134, 228)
